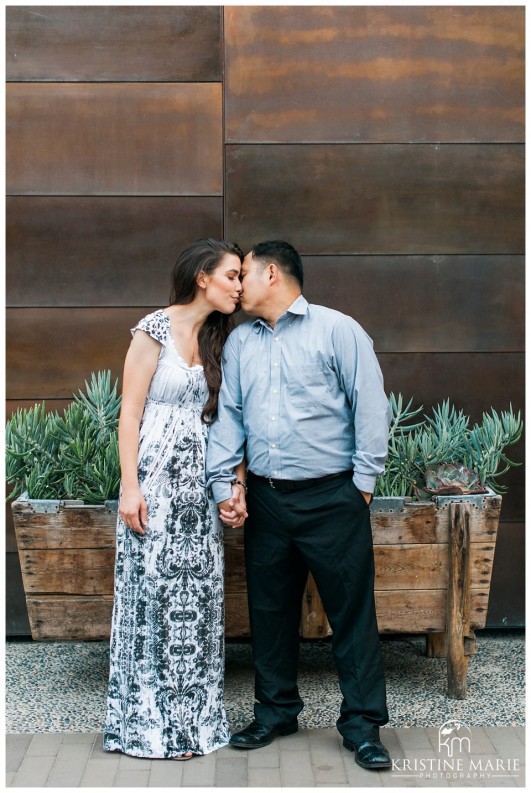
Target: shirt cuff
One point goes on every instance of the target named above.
(364, 482)
(221, 491)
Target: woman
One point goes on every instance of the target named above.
(166, 673)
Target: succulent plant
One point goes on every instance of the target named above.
(442, 452)
(73, 456)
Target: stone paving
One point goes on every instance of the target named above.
(311, 758)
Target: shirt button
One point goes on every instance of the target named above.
(274, 390)
(272, 418)
(277, 338)
(273, 446)
(275, 472)
(275, 364)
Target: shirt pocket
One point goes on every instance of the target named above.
(307, 383)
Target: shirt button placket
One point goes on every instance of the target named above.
(274, 406)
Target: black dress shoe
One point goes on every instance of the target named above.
(369, 754)
(257, 735)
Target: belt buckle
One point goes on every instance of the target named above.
(271, 483)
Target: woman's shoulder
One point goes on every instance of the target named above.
(157, 324)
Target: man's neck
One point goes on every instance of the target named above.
(280, 308)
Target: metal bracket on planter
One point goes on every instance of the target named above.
(47, 506)
(476, 500)
(42, 506)
(389, 503)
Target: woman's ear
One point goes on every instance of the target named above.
(201, 280)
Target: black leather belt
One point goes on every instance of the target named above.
(292, 485)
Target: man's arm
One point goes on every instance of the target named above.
(226, 439)
(361, 379)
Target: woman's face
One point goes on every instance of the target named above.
(222, 287)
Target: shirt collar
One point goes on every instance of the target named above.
(299, 306)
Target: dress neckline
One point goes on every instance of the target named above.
(176, 349)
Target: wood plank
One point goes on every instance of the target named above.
(382, 74)
(425, 523)
(68, 572)
(70, 619)
(371, 289)
(123, 239)
(426, 566)
(236, 616)
(133, 43)
(458, 599)
(386, 199)
(422, 612)
(401, 611)
(68, 528)
(160, 139)
(235, 580)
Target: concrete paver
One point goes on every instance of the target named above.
(310, 758)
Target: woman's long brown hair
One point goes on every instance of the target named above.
(205, 256)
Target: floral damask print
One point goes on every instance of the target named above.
(167, 663)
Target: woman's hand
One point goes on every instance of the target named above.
(233, 511)
(133, 510)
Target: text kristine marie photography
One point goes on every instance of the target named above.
(455, 760)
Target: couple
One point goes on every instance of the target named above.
(301, 403)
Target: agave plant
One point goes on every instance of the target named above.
(72, 456)
(442, 455)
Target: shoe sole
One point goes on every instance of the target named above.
(368, 766)
(285, 731)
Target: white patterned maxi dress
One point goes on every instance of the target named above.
(167, 654)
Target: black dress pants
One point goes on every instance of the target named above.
(325, 529)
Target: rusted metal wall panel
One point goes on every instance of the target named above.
(408, 303)
(362, 73)
(108, 251)
(378, 199)
(132, 43)
(114, 138)
(51, 351)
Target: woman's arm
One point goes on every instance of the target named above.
(140, 364)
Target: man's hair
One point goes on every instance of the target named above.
(282, 254)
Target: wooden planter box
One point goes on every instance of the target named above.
(433, 571)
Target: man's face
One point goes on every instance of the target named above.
(255, 280)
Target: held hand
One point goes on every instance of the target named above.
(133, 510)
(233, 511)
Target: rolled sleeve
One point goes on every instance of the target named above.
(226, 439)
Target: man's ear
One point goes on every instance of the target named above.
(273, 271)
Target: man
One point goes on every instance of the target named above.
(302, 399)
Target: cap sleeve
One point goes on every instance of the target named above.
(156, 324)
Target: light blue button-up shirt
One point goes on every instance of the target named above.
(301, 400)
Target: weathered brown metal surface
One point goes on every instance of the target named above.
(378, 199)
(114, 138)
(111, 251)
(345, 74)
(130, 43)
(51, 352)
(390, 295)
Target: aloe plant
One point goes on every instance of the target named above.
(442, 455)
(73, 456)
